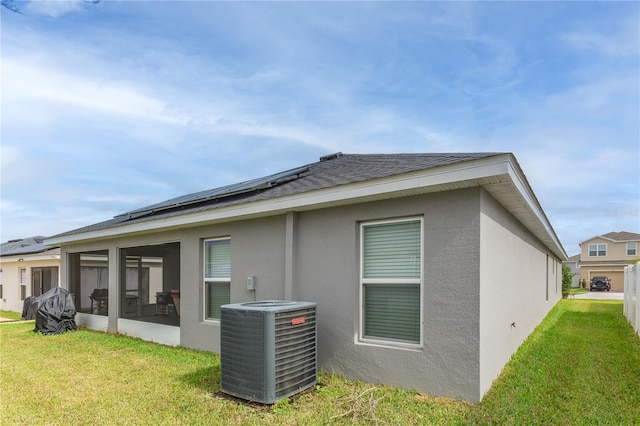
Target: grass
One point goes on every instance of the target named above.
(580, 366)
(10, 315)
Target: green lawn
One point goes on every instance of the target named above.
(10, 315)
(581, 366)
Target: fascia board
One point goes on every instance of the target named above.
(29, 258)
(609, 239)
(593, 238)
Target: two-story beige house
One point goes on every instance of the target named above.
(607, 255)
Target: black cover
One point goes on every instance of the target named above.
(29, 308)
(55, 311)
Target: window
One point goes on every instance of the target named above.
(391, 281)
(632, 249)
(217, 275)
(597, 250)
(23, 283)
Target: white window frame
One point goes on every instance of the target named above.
(597, 250)
(206, 280)
(632, 246)
(23, 276)
(361, 339)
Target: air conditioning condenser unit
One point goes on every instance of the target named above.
(267, 349)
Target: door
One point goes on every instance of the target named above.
(43, 280)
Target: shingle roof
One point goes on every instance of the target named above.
(331, 171)
(622, 236)
(24, 246)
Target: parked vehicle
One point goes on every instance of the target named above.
(600, 283)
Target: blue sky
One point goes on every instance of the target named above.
(112, 106)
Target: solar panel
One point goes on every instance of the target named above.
(219, 193)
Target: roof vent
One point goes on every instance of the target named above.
(331, 156)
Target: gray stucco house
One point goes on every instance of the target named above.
(429, 270)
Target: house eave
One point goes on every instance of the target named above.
(499, 175)
(609, 239)
(51, 254)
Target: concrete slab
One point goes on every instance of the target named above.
(601, 295)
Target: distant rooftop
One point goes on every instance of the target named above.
(622, 236)
(24, 246)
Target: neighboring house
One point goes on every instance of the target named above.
(28, 267)
(573, 264)
(429, 270)
(607, 255)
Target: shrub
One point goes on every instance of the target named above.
(566, 280)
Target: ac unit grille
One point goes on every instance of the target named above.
(242, 349)
(295, 350)
(269, 354)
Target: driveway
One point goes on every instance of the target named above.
(601, 295)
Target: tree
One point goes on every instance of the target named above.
(567, 277)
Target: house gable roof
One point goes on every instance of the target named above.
(574, 258)
(24, 246)
(339, 179)
(616, 237)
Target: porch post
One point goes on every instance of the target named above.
(114, 267)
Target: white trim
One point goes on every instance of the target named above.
(40, 257)
(609, 239)
(360, 338)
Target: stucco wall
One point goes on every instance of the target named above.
(327, 273)
(520, 282)
(257, 249)
(615, 250)
(459, 357)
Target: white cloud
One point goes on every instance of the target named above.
(95, 101)
(9, 155)
(56, 8)
(31, 82)
(625, 42)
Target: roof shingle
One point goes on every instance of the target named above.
(331, 171)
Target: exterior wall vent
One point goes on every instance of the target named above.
(267, 349)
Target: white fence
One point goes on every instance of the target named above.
(631, 295)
